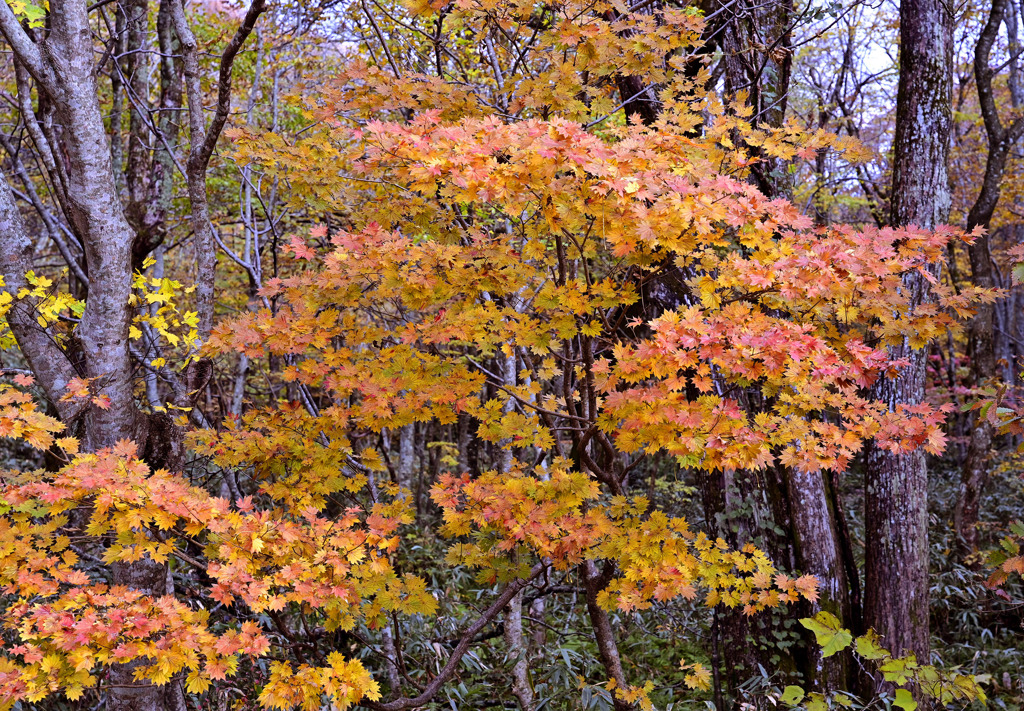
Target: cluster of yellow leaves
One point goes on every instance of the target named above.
(478, 234)
(566, 68)
(397, 325)
(49, 304)
(160, 312)
(33, 14)
(638, 696)
(344, 682)
(672, 391)
(508, 521)
(158, 319)
(698, 676)
(66, 639)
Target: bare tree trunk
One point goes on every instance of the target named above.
(94, 209)
(896, 565)
(517, 652)
(391, 660)
(819, 553)
(982, 341)
(608, 650)
(406, 455)
(203, 141)
(974, 474)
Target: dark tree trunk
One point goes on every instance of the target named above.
(981, 342)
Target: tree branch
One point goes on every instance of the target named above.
(510, 591)
(227, 60)
(24, 48)
(203, 140)
(48, 362)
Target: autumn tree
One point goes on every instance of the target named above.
(473, 228)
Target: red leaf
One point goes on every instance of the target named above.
(298, 246)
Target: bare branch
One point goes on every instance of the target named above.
(227, 61)
(510, 591)
(24, 48)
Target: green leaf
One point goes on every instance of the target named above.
(983, 412)
(29, 11)
(904, 700)
(838, 643)
(868, 646)
(792, 695)
(895, 670)
(828, 632)
(1018, 273)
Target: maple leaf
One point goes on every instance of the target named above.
(807, 585)
(300, 249)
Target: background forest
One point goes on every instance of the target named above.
(511, 354)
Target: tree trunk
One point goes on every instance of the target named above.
(819, 553)
(981, 347)
(981, 342)
(896, 516)
(517, 651)
(594, 582)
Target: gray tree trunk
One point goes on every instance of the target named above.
(818, 551)
(896, 565)
(62, 64)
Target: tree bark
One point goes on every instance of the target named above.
(608, 650)
(896, 565)
(819, 553)
(517, 651)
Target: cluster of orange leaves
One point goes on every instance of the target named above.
(68, 624)
(555, 514)
(797, 312)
